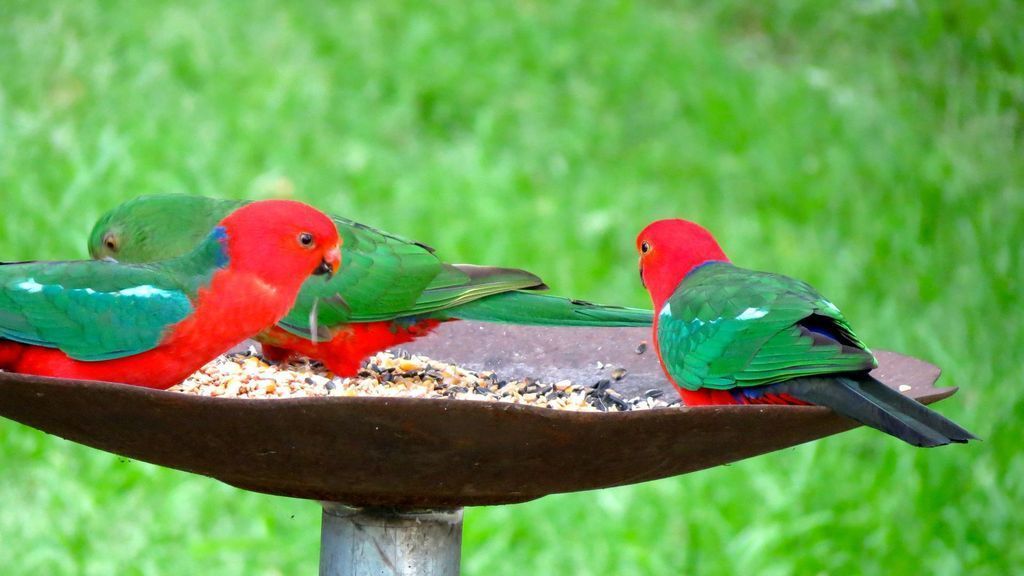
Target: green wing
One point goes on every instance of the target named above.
(90, 310)
(383, 277)
(725, 327)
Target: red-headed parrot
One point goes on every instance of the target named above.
(155, 324)
(726, 335)
(389, 291)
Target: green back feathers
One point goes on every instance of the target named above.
(725, 327)
(96, 311)
(384, 277)
(451, 288)
(381, 276)
(89, 310)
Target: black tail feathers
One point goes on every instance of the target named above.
(868, 401)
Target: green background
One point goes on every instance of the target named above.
(872, 148)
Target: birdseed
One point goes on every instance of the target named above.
(248, 375)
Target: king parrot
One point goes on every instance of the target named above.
(726, 335)
(390, 290)
(154, 324)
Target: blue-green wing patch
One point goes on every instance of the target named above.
(122, 311)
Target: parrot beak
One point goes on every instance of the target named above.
(330, 264)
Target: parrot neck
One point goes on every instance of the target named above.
(662, 281)
(213, 251)
(233, 307)
(203, 261)
(233, 298)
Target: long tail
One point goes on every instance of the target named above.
(530, 308)
(874, 404)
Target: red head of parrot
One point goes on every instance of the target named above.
(669, 250)
(281, 240)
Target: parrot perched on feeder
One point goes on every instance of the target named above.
(726, 335)
(155, 324)
(390, 290)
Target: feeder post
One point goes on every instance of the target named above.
(369, 541)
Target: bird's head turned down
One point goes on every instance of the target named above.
(669, 250)
(155, 227)
(281, 240)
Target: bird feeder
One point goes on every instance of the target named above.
(393, 474)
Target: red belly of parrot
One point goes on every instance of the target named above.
(344, 353)
(708, 397)
(160, 368)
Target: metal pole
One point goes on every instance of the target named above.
(366, 541)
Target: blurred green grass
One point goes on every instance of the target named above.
(872, 148)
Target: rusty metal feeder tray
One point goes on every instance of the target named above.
(386, 457)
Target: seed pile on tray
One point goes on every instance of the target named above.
(247, 375)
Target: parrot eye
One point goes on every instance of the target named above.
(645, 248)
(110, 241)
(306, 240)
